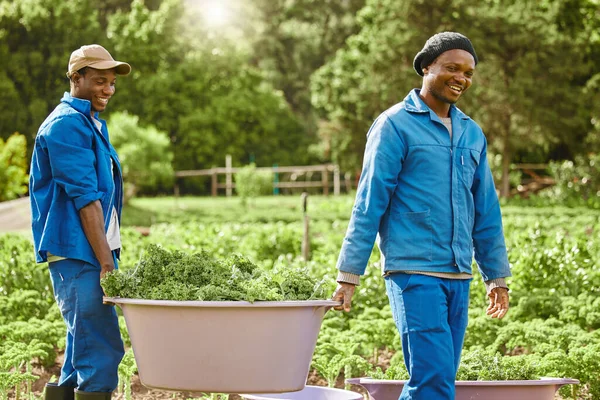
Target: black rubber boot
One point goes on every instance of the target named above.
(79, 395)
(55, 392)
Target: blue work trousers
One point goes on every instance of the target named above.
(94, 347)
(431, 315)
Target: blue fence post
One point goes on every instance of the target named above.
(275, 180)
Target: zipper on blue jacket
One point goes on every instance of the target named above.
(452, 195)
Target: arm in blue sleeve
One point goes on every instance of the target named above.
(382, 164)
(488, 235)
(72, 159)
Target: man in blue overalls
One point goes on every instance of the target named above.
(427, 195)
(76, 193)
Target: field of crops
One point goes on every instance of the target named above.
(550, 330)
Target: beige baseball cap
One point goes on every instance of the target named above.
(95, 56)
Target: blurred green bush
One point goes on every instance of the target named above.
(250, 183)
(13, 167)
(145, 154)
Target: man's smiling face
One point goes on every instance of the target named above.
(95, 85)
(449, 76)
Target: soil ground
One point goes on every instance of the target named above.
(140, 392)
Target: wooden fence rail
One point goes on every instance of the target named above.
(531, 182)
(324, 169)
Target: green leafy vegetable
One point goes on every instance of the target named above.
(165, 275)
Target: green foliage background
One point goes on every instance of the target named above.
(13, 167)
(144, 152)
(250, 183)
(300, 81)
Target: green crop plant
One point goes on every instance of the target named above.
(127, 368)
(329, 368)
(395, 371)
(554, 254)
(45, 333)
(375, 329)
(354, 366)
(331, 358)
(15, 357)
(213, 396)
(14, 380)
(250, 183)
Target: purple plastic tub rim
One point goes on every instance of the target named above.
(308, 393)
(537, 382)
(539, 389)
(227, 304)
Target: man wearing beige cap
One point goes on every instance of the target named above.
(76, 193)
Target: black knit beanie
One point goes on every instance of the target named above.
(438, 44)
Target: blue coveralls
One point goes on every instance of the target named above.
(431, 203)
(73, 165)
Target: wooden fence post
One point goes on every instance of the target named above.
(228, 182)
(214, 183)
(176, 188)
(336, 180)
(325, 180)
(275, 180)
(305, 236)
(348, 182)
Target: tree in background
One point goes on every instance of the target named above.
(13, 167)
(200, 88)
(152, 41)
(214, 104)
(371, 73)
(36, 40)
(296, 38)
(529, 84)
(144, 153)
(524, 56)
(196, 86)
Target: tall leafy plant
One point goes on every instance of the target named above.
(250, 183)
(13, 167)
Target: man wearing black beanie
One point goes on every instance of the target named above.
(427, 195)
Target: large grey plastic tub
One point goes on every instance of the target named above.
(542, 389)
(309, 393)
(223, 346)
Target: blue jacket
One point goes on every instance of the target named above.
(428, 200)
(71, 168)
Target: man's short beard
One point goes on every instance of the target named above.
(440, 97)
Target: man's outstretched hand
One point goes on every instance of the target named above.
(343, 293)
(498, 303)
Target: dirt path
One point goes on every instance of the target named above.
(15, 215)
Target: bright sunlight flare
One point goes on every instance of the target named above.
(215, 13)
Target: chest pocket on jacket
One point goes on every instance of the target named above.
(469, 160)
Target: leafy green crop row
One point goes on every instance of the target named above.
(550, 330)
